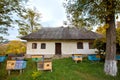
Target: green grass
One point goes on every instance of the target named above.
(63, 69)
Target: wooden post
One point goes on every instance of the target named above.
(76, 61)
(9, 72)
(20, 71)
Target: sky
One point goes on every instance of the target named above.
(52, 14)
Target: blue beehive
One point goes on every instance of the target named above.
(2, 58)
(93, 57)
(24, 65)
(20, 64)
(117, 57)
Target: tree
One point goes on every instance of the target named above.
(16, 47)
(102, 30)
(8, 9)
(118, 35)
(118, 24)
(29, 22)
(100, 43)
(93, 12)
(2, 40)
(3, 49)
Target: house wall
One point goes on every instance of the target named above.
(67, 47)
(50, 48)
(71, 48)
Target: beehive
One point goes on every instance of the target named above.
(15, 65)
(40, 65)
(20, 65)
(93, 57)
(77, 57)
(2, 58)
(10, 64)
(37, 58)
(47, 65)
(117, 57)
(44, 65)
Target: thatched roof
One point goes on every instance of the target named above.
(62, 33)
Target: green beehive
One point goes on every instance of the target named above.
(37, 58)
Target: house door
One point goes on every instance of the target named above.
(57, 48)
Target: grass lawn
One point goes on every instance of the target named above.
(63, 69)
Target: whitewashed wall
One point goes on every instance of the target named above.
(71, 48)
(67, 47)
(50, 48)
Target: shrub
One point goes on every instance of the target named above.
(36, 74)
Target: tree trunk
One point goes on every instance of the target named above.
(110, 66)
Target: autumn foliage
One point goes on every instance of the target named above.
(14, 47)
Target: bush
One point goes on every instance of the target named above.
(36, 74)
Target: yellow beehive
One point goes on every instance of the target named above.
(10, 64)
(47, 65)
(37, 56)
(77, 57)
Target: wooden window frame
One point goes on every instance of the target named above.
(34, 45)
(43, 45)
(79, 45)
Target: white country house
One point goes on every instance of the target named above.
(61, 41)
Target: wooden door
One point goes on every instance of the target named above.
(58, 48)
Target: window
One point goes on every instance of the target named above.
(79, 45)
(91, 45)
(43, 46)
(34, 45)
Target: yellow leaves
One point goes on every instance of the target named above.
(106, 26)
(2, 49)
(118, 35)
(36, 74)
(16, 47)
(102, 29)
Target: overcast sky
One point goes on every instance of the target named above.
(53, 14)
